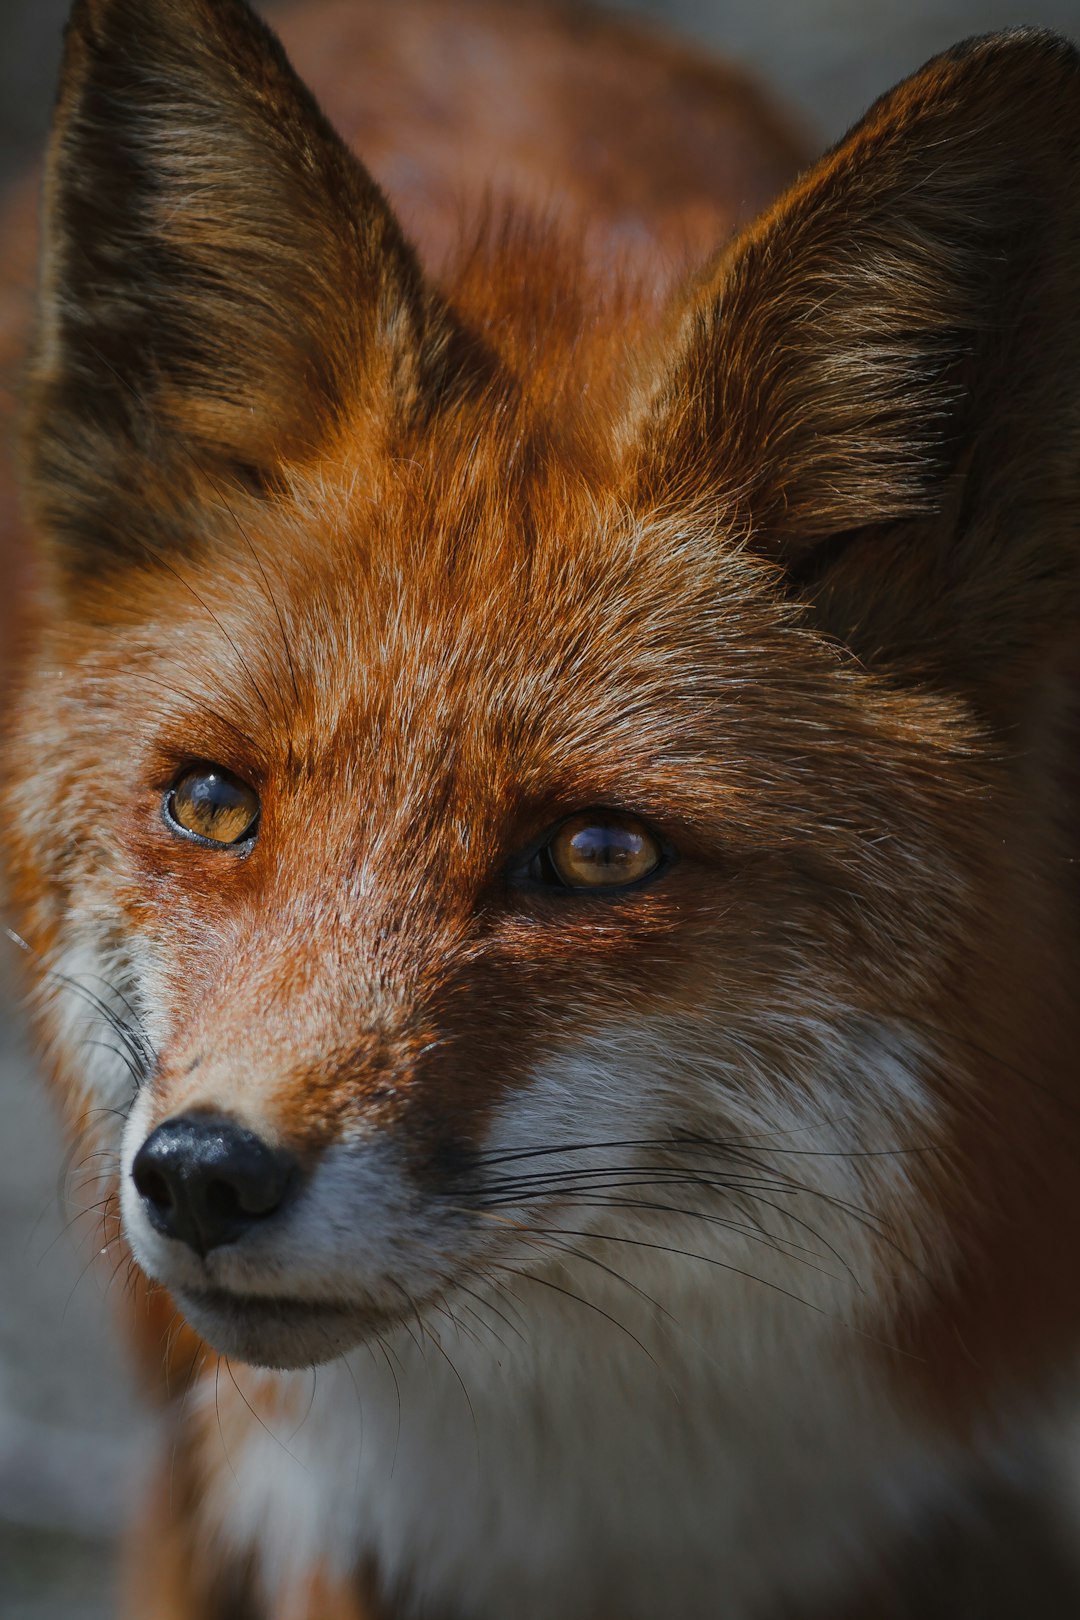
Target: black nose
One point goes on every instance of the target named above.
(206, 1180)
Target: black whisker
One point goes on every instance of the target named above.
(217, 1414)
(260, 1421)
(767, 1240)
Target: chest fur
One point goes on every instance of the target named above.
(534, 1466)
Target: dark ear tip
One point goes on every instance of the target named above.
(81, 27)
(1016, 59)
(89, 25)
(97, 23)
(1001, 70)
(1016, 43)
(89, 20)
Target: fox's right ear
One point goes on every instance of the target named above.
(875, 387)
(222, 282)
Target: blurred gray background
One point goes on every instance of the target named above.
(69, 1425)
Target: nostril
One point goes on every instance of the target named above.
(152, 1185)
(205, 1179)
(223, 1202)
(249, 1197)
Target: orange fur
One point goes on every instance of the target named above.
(436, 545)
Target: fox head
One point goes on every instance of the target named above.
(542, 789)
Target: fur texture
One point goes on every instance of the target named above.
(670, 1250)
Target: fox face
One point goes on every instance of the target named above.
(503, 900)
(546, 788)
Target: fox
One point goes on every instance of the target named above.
(541, 797)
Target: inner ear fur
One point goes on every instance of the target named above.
(221, 281)
(878, 382)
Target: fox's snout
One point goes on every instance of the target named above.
(205, 1180)
(561, 798)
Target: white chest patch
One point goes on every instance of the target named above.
(672, 1413)
(535, 1482)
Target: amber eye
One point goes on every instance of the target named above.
(597, 849)
(209, 803)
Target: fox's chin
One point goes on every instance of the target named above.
(279, 1333)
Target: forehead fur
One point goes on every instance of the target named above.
(415, 617)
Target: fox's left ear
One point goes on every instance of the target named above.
(880, 383)
(222, 281)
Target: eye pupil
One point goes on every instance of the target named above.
(606, 847)
(602, 849)
(210, 803)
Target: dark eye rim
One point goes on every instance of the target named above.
(519, 871)
(238, 846)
